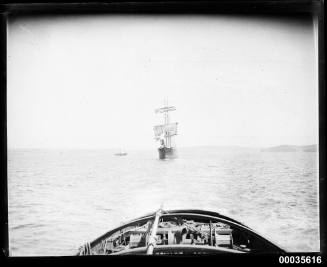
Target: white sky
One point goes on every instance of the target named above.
(94, 82)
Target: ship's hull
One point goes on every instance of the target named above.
(120, 154)
(167, 152)
(188, 232)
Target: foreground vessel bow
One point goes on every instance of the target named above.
(180, 232)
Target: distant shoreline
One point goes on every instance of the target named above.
(291, 148)
(280, 148)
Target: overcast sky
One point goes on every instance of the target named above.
(94, 82)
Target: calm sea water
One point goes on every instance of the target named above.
(58, 200)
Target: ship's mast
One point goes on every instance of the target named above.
(167, 135)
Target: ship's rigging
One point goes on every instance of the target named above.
(167, 130)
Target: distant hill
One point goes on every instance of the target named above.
(290, 148)
(223, 149)
(311, 148)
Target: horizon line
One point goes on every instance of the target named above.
(137, 149)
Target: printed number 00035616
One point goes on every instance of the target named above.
(300, 259)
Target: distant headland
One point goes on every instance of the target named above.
(290, 148)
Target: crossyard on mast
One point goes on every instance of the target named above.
(165, 109)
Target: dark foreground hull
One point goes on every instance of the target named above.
(167, 153)
(180, 232)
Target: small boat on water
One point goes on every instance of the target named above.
(121, 153)
(185, 232)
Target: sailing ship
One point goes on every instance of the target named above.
(165, 132)
(121, 153)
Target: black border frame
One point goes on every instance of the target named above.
(215, 7)
(264, 7)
